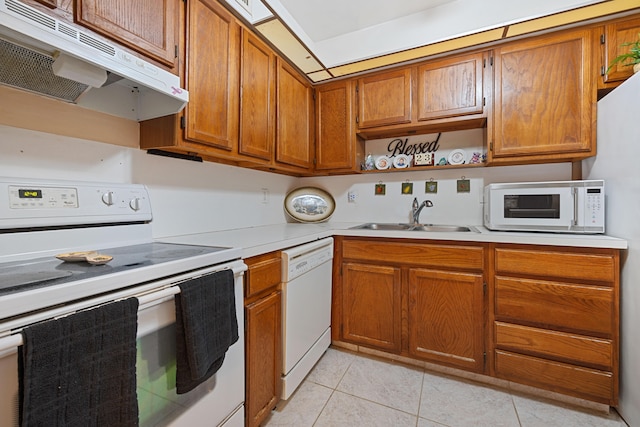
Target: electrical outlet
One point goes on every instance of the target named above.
(352, 196)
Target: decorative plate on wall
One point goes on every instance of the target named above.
(309, 204)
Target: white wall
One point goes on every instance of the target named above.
(449, 206)
(190, 197)
(617, 164)
(187, 197)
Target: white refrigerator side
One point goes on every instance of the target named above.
(617, 163)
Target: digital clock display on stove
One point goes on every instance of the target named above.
(29, 194)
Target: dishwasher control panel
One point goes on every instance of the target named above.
(301, 259)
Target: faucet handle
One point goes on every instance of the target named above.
(415, 203)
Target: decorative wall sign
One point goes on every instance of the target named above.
(381, 189)
(407, 188)
(431, 187)
(463, 185)
(401, 146)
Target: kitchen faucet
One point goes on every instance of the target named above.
(417, 208)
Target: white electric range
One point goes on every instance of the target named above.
(40, 219)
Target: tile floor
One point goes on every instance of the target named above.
(348, 389)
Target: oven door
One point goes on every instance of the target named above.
(531, 209)
(219, 401)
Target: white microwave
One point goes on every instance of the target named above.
(558, 206)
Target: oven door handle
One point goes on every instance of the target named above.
(574, 193)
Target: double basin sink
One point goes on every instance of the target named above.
(388, 226)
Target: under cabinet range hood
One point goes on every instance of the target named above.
(44, 55)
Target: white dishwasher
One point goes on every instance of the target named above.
(306, 309)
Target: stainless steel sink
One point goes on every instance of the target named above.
(411, 227)
(441, 228)
(383, 226)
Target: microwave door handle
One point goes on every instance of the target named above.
(574, 193)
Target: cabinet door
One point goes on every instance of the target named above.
(371, 306)
(147, 26)
(616, 35)
(257, 98)
(545, 99)
(294, 117)
(384, 99)
(445, 318)
(450, 88)
(263, 357)
(337, 147)
(212, 75)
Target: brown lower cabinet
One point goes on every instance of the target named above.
(420, 300)
(263, 336)
(555, 319)
(543, 316)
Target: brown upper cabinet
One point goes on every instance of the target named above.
(545, 100)
(257, 98)
(450, 88)
(150, 28)
(294, 125)
(212, 75)
(612, 36)
(247, 107)
(338, 149)
(385, 99)
(435, 96)
(208, 125)
(146, 26)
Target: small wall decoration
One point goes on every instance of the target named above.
(463, 185)
(431, 187)
(424, 159)
(477, 157)
(407, 188)
(380, 190)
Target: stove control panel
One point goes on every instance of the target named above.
(28, 197)
(44, 203)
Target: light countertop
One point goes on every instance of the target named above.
(263, 239)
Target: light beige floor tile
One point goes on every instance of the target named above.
(426, 423)
(459, 403)
(535, 412)
(302, 408)
(387, 383)
(331, 367)
(344, 410)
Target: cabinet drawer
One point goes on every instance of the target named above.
(265, 271)
(415, 254)
(567, 265)
(559, 377)
(556, 305)
(555, 345)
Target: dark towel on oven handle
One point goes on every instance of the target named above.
(80, 370)
(206, 326)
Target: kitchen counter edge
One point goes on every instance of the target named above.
(259, 240)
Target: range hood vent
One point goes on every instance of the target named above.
(41, 54)
(26, 69)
